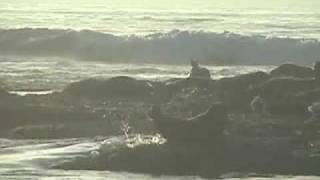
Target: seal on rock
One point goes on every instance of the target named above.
(198, 72)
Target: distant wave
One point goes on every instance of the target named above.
(174, 47)
(145, 70)
(178, 19)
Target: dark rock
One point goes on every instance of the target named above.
(316, 70)
(278, 87)
(299, 102)
(3, 92)
(234, 92)
(292, 70)
(175, 86)
(203, 129)
(117, 87)
(258, 106)
(287, 95)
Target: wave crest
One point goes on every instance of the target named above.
(173, 47)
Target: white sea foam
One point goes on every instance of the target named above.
(41, 159)
(40, 75)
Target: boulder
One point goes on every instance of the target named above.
(292, 70)
(175, 86)
(276, 88)
(3, 93)
(205, 128)
(300, 102)
(234, 91)
(288, 95)
(117, 87)
(258, 106)
(316, 70)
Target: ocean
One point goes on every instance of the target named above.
(281, 18)
(228, 32)
(46, 45)
(33, 159)
(39, 73)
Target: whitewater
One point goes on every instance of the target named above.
(35, 159)
(230, 32)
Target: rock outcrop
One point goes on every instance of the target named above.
(117, 87)
(204, 128)
(292, 70)
(235, 92)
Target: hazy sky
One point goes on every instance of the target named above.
(162, 4)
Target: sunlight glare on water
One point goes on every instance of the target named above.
(294, 18)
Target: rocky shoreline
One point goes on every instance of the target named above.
(285, 140)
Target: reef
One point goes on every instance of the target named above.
(207, 129)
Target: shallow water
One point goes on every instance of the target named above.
(34, 73)
(33, 159)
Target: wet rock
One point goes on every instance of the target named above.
(258, 106)
(117, 87)
(284, 96)
(277, 87)
(316, 69)
(203, 129)
(3, 93)
(292, 70)
(297, 103)
(175, 86)
(234, 92)
(314, 109)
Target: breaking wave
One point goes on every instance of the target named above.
(179, 19)
(174, 47)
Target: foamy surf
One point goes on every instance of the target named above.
(43, 159)
(40, 75)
